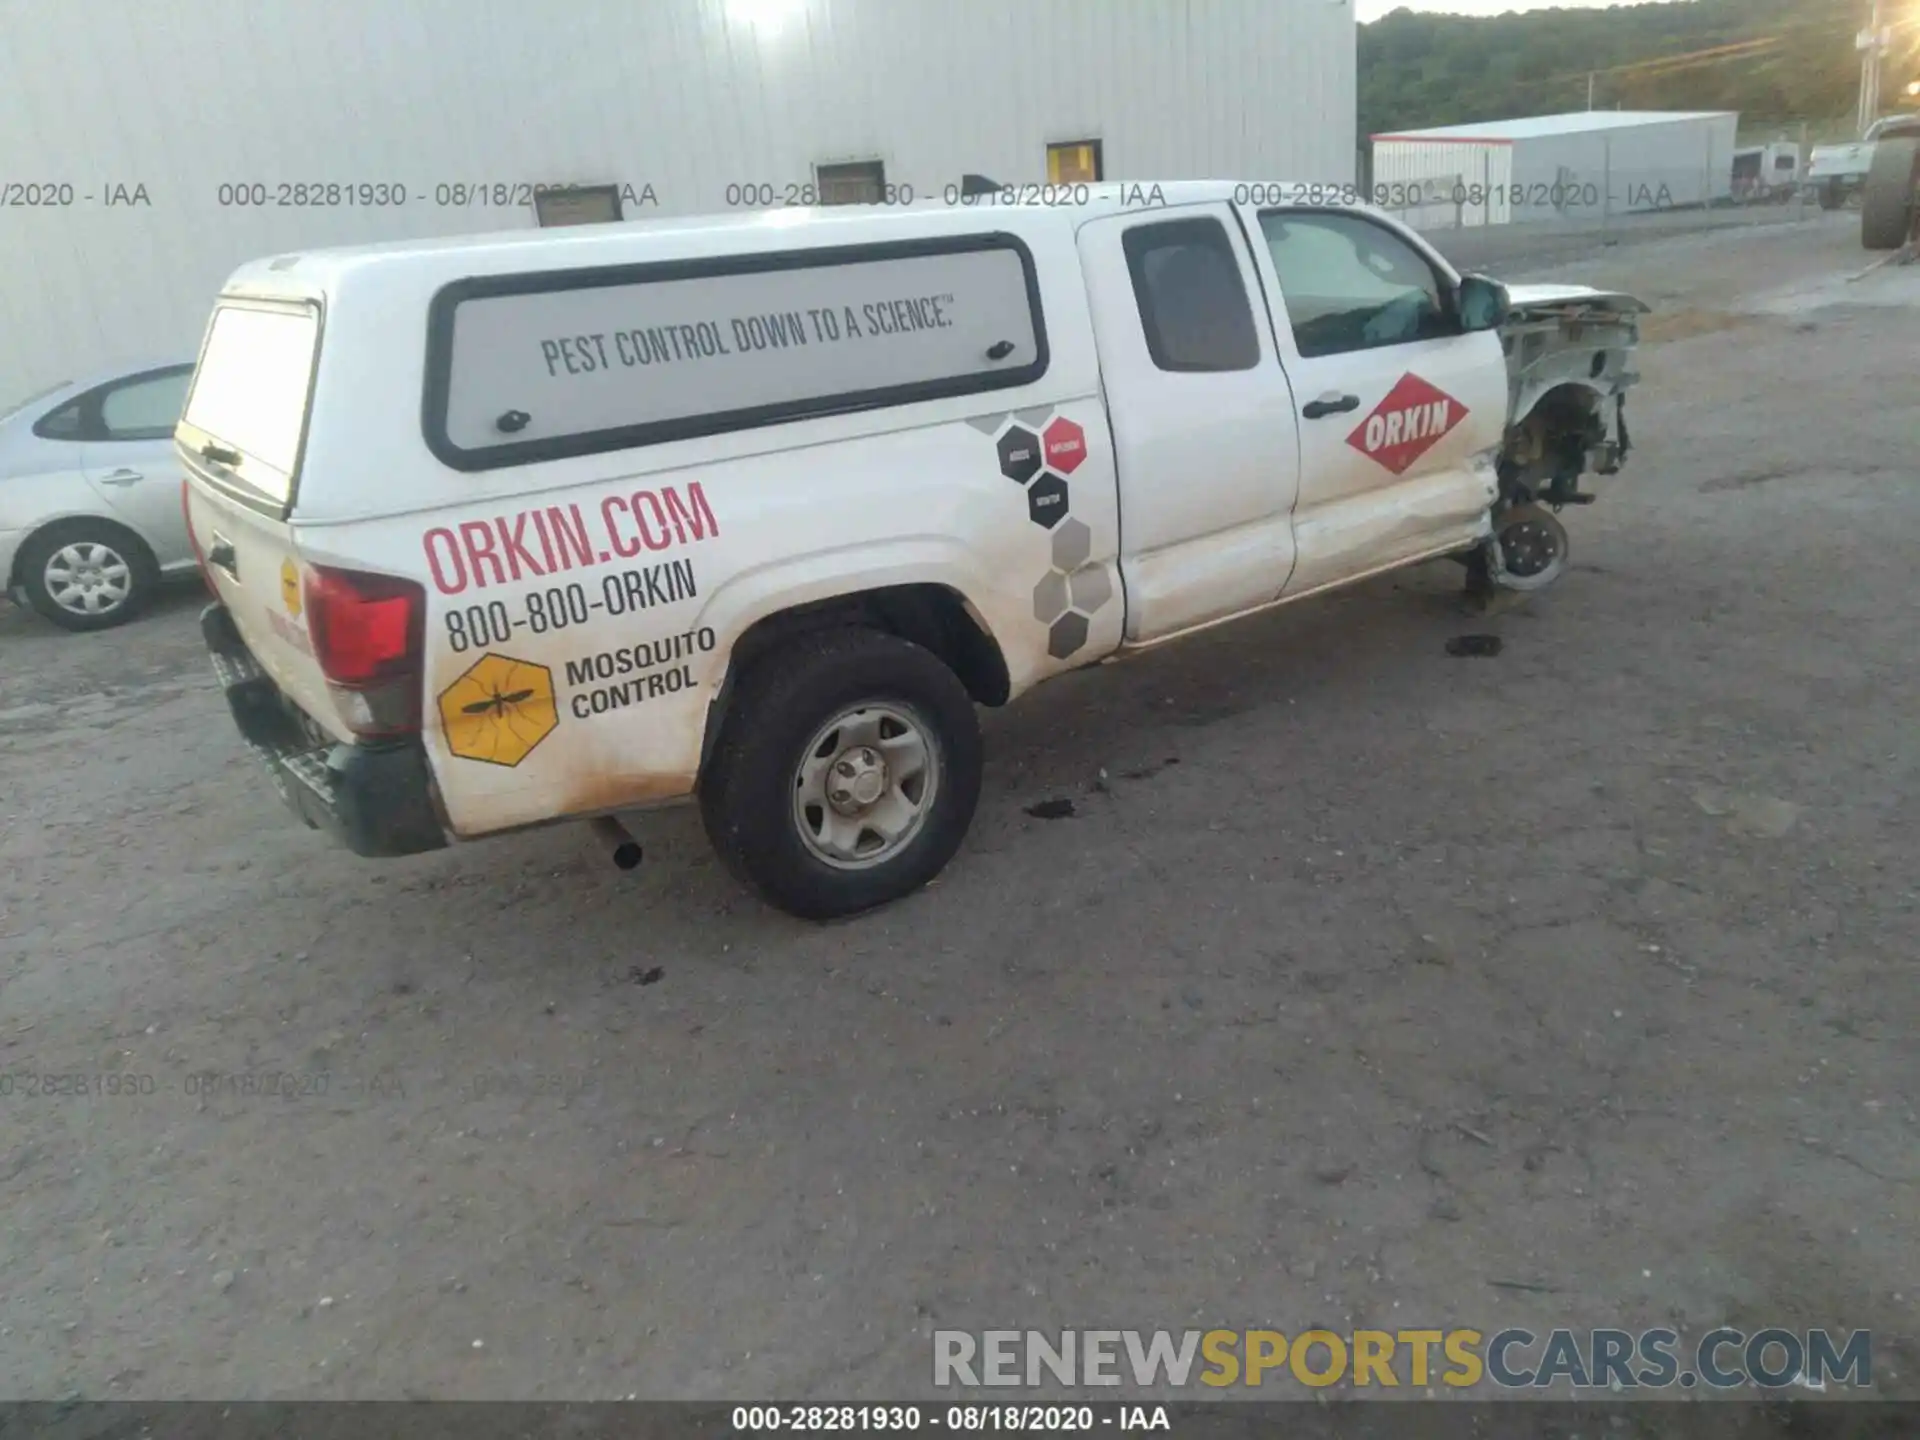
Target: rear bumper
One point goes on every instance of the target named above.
(375, 800)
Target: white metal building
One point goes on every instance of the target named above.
(150, 148)
(1585, 166)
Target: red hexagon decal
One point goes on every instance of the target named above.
(1066, 446)
(1413, 419)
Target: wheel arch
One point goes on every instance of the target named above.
(935, 615)
(128, 534)
(1535, 395)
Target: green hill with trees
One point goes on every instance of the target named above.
(1778, 62)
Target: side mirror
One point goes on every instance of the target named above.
(1483, 303)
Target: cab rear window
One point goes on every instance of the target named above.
(539, 366)
(251, 390)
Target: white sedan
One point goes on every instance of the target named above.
(90, 516)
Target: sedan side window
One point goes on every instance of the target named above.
(1349, 284)
(144, 409)
(62, 424)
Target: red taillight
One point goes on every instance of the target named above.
(363, 626)
(367, 633)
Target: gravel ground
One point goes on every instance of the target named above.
(1370, 985)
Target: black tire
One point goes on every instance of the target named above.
(1886, 209)
(747, 797)
(1830, 196)
(99, 536)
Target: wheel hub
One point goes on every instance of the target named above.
(857, 779)
(1529, 547)
(87, 578)
(865, 785)
(1529, 551)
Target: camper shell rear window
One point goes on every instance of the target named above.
(541, 366)
(251, 391)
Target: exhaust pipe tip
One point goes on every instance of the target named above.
(627, 853)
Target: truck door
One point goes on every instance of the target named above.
(1204, 435)
(1399, 409)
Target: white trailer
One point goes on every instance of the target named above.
(1771, 172)
(1587, 166)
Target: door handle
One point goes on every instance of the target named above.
(220, 553)
(1330, 404)
(122, 476)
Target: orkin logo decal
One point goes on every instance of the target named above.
(1413, 418)
(506, 549)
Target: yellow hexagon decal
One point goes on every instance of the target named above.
(290, 588)
(499, 710)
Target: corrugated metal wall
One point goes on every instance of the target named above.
(1443, 184)
(689, 97)
(1626, 170)
(1581, 177)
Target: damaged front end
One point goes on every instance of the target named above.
(1571, 358)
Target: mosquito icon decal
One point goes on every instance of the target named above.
(499, 710)
(498, 704)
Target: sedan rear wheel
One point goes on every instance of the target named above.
(85, 575)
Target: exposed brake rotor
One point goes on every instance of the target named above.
(1530, 549)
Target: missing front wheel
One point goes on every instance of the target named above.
(1528, 551)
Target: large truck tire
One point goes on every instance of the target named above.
(1887, 211)
(846, 774)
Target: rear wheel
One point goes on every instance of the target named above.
(846, 774)
(1887, 209)
(1831, 197)
(87, 574)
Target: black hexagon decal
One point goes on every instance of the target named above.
(1066, 635)
(1047, 501)
(1019, 455)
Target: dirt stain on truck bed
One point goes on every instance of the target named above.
(603, 794)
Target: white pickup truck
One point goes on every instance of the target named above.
(755, 511)
(1838, 173)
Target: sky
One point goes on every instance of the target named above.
(1365, 10)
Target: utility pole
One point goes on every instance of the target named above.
(1872, 44)
(1590, 78)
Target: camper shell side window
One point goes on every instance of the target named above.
(553, 364)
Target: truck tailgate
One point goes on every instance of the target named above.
(240, 440)
(1834, 161)
(256, 573)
